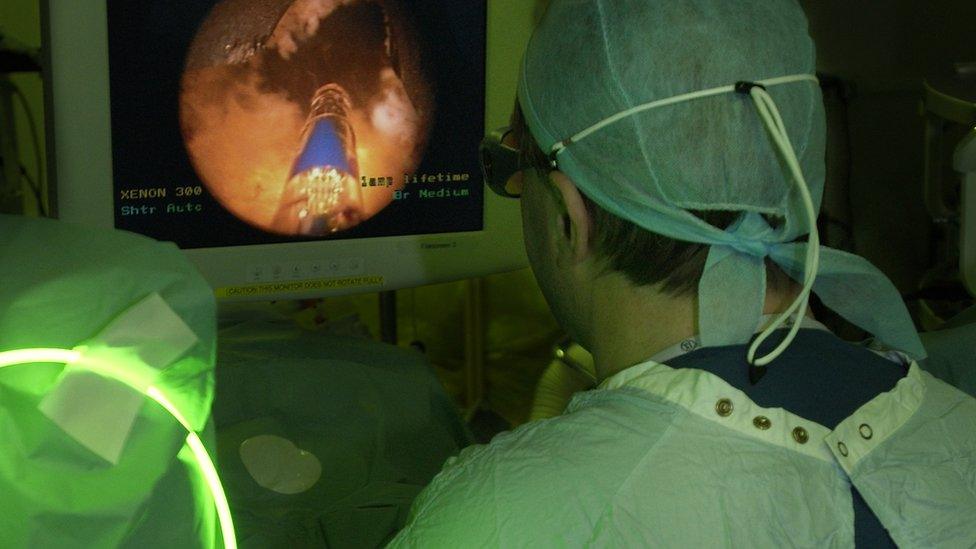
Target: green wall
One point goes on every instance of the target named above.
(509, 26)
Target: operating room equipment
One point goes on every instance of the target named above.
(243, 110)
(950, 125)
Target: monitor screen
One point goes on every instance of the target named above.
(291, 147)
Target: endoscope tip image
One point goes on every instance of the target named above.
(289, 108)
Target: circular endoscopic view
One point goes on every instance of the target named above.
(288, 108)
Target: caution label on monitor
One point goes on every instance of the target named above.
(300, 286)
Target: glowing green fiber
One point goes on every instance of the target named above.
(140, 379)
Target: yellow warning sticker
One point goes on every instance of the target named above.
(295, 286)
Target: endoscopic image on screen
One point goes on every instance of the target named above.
(258, 121)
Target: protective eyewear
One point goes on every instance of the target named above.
(499, 162)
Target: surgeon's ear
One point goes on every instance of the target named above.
(576, 222)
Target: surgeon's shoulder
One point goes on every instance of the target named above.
(523, 485)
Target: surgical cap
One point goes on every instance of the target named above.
(592, 59)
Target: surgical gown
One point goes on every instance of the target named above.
(658, 456)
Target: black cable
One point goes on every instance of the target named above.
(37, 190)
(35, 140)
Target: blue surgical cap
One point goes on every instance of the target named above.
(637, 102)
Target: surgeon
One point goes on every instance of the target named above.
(669, 158)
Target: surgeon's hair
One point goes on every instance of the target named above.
(644, 257)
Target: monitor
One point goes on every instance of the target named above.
(291, 148)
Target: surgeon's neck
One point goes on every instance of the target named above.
(629, 324)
